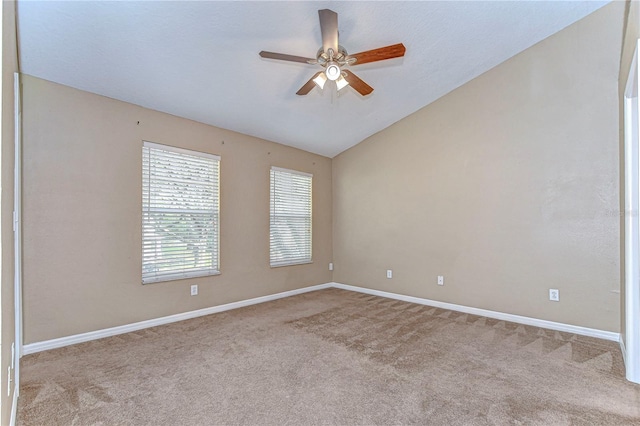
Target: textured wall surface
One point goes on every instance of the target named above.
(82, 214)
(507, 186)
(9, 66)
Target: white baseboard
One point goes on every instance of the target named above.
(99, 334)
(624, 351)
(584, 331)
(14, 407)
(113, 331)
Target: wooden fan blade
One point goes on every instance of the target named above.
(361, 87)
(308, 85)
(283, 57)
(329, 29)
(388, 52)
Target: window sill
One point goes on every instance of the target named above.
(302, 262)
(177, 277)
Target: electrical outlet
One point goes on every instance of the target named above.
(440, 279)
(554, 295)
(331, 266)
(389, 273)
(194, 290)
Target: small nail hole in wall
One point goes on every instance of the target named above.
(138, 123)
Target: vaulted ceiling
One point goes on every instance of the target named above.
(199, 60)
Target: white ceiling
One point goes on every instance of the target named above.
(199, 60)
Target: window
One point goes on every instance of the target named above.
(290, 217)
(180, 213)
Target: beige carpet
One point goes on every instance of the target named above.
(331, 357)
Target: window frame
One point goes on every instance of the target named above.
(289, 262)
(215, 211)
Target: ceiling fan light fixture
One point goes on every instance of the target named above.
(333, 71)
(341, 83)
(320, 80)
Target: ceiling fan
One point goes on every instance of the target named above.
(335, 60)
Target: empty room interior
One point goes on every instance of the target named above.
(320, 213)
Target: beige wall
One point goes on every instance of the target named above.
(82, 214)
(508, 186)
(9, 66)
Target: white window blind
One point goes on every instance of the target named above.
(290, 217)
(180, 213)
